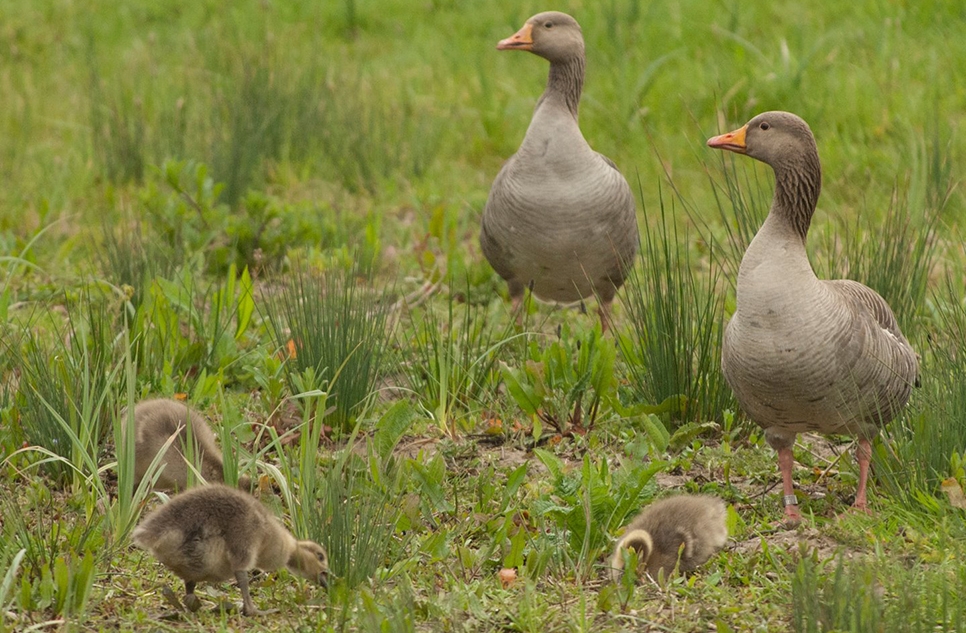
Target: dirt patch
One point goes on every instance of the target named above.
(792, 540)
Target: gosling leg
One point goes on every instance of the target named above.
(191, 601)
(248, 607)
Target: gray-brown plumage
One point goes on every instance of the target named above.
(215, 533)
(560, 217)
(800, 353)
(155, 422)
(682, 531)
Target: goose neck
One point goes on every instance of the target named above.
(797, 188)
(565, 83)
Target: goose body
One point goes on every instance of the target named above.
(155, 421)
(680, 532)
(560, 218)
(801, 353)
(215, 533)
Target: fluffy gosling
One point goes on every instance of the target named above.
(156, 421)
(682, 532)
(214, 533)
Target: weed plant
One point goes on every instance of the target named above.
(59, 554)
(67, 388)
(567, 384)
(859, 596)
(675, 313)
(355, 518)
(589, 504)
(187, 330)
(452, 361)
(925, 445)
(331, 326)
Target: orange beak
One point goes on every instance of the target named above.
(732, 141)
(522, 40)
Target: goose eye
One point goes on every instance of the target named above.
(548, 25)
(764, 126)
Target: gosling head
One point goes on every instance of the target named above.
(310, 561)
(639, 542)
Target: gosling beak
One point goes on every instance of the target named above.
(323, 579)
(732, 141)
(522, 40)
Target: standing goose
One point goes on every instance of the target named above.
(560, 218)
(215, 533)
(682, 531)
(155, 421)
(800, 353)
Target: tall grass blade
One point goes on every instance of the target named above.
(327, 321)
(676, 313)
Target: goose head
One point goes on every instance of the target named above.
(553, 35)
(779, 139)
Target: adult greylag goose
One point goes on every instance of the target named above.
(215, 533)
(155, 421)
(800, 353)
(560, 218)
(682, 531)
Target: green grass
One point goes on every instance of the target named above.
(185, 186)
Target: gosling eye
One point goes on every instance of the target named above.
(764, 125)
(548, 25)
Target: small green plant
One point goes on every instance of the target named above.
(66, 390)
(865, 596)
(185, 330)
(676, 314)
(565, 385)
(356, 519)
(350, 509)
(10, 560)
(330, 324)
(453, 362)
(57, 554)
(590, 503)
(181, 208)
(924, 443)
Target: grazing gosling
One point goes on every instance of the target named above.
(157, 420)
(682, 531)
(214, 533)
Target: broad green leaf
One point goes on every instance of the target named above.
(521, 392)
(246, 304)
(658, 434)
(514, 559)
(392, 426)
(551, 461)
(686, 434)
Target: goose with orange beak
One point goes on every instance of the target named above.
(560, 218)
(800, 353)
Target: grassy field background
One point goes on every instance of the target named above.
(271, 208)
